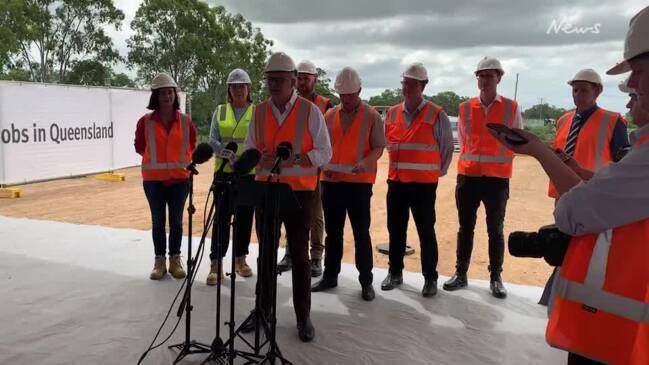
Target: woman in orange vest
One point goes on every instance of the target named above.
(165, 138)
(600, 301)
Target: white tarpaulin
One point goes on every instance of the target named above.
(49, 131)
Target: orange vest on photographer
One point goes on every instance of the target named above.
(592, 150)
(294, 129)
(601, 296)
(481, 153)
(167, 153)
(413, 150)
(321, 102)
(349, 147)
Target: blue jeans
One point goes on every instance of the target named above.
(159, 197)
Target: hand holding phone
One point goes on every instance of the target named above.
(511, 136)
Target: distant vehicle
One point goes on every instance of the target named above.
(456, 144)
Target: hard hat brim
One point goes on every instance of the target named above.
(620, 68)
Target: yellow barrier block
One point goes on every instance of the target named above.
(110, 176)
(10, 193)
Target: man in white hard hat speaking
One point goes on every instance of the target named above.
(357, 138)
(287, 117)
(307, 78)
(484, 169)
(420, 146)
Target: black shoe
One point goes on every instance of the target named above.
(324, 284)
(285, 265)
(458, 281)
(498, 289)
(305, 330)
(368, 293)
(430, 288)
(392, 281)
(316, 268)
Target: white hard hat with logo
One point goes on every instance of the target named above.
(416, 71)
(624, 87)
(238, 76)
(307, 67)
(162, 80)
(636, 42)
(280, 62)
(490, 63)
(587, 74)
(347, 81)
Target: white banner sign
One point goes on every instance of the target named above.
(50, 131)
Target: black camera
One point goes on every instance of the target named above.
(548, 243)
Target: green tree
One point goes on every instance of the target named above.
(449, 101)
(323, 87)
(121, 80)
(543, 111)
(54, 35)
(388, 97)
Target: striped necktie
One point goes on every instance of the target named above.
(575, 127)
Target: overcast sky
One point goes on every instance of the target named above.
(380, 38)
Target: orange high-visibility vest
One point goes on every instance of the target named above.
(321, 102)
(166, 154)
(592, 150)
(481, 153)
(351, 146)
(294, 129)
(413, 150)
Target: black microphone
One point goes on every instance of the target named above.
(202, 153)
(232, 146)
(247, 161)
(284, 150)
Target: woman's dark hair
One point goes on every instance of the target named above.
(249, 96)
(154, 103)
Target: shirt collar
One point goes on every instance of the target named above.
(290, 102)
(497, 99)
(419, 107)
(587, 113)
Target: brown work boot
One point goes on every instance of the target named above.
(242, 268)
(159, 268)
(176, 267)
(214, 277)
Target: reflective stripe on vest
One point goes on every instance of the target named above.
(343, 144)
(231, 130)
(321, 102)
(413, 151)
(501, 157)
(152, 168)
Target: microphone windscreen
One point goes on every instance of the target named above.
(202, 153)
(232, 146)
(247, 161)
(284, 150)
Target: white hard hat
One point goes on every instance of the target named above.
(162, 80)
(347, 81)
(238, 76)
(306, 67)
(489, 63)
(416, 71)
(587, 74)
(281, 62)
(636, 42)
(624, 87)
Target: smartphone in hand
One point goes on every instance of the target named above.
(511, 135)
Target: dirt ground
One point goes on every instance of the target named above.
(86, 200)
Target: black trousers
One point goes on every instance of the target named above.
(493, 192)
(420, 199)
(340, 199)
(574, 359)
(221, 227)
(297, 223)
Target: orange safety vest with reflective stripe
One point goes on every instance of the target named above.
(592, 150)
(167, 154)
(481, 153)
(350, 146)
(294, 129)
(413, 150)
(321, 102)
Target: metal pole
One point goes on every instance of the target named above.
(516, 87)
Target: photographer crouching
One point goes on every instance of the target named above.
(600, 296)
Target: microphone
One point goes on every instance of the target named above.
(247, 161)
(284, 150)
(202, 153)
(231, 146)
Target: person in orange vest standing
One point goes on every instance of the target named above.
(484, 168)
(420, 146)
(287, 117)
(590, 136)
(165, 138)
(307, 78)
(357, 138)
(600, 300)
